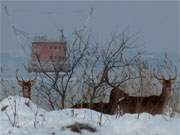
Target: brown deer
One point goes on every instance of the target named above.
(115, 95)
(107, 108)
(99, 107)
(26, 85)
(152, 104)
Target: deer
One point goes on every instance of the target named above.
(26, 85)
(99, 107)
(106, 108)
(154, 104)
(115, 94)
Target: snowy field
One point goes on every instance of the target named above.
(28, 119)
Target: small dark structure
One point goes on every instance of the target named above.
(77, 127)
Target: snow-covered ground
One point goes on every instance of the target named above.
(32, 120)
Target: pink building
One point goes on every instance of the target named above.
(48, 51)
(48, 56)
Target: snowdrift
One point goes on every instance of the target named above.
(29, 119)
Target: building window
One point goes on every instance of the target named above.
(50, 57)
(34, 57)
(55, 47)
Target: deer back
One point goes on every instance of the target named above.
(151, 104)
(99, 107)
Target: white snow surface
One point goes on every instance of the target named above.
(54, 122)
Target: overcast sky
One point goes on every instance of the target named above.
(156, 22)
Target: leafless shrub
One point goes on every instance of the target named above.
(13, 120)
(56, 85)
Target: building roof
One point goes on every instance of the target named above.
(49, 42)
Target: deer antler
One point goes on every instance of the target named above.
(35, 77)
(17, 76)
(105, 77)
(155, 76)
(167, 66)
(175, 76)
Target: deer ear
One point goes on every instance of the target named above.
(161, 81)
(20, 83)
(173, 81)
(33, 82)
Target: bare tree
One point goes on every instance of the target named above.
(57, 83)
(86, 75)
(13, 119)
(94, 87)
(112, 58)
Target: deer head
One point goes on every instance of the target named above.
(166, 82)
(115, 88)
(116, 92)
(26, 85)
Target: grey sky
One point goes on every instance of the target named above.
(157, 22)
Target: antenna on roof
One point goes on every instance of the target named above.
(62, 35)
(6, 10)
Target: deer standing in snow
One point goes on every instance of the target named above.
(26, 85)
(109, 107)
(116, 95)
(154, 104)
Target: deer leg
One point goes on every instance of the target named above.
(29, 94)
(119, 109)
